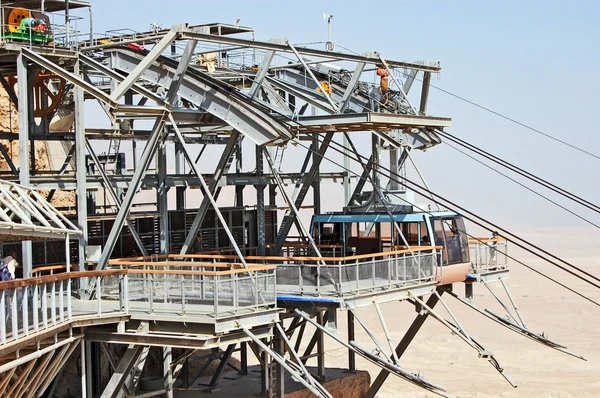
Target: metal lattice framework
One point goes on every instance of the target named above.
(26, 215)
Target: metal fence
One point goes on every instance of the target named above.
(192, 289)
(32, 305)
(36, 306)
(349, 277)
(488, 255)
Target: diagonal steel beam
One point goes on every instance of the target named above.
(152, 56)
(22, 380)
(403, 345)
(147, 155)
(58, 365)
(8, 158)
(293, 208)
(118, 378)
(92, 63)
(351, 86)
(289, 217)
(41, 366)
(10, 91)
(113, 194)
(134, 185)
(87, 87)
(222, 167)
(206, 191)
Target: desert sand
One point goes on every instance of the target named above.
(539, 371)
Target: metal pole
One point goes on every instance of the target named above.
(67, 23)
(80, 172)
(161, 195)
(260, 205)
(403, 345)
(320, 346)
(425, 93)
(351, 337)
(24, 129)
(84, 370)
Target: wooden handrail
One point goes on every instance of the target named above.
(53, 268)
(277, 258)
(38, 280)
(486, 240)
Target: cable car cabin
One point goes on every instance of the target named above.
(357, 234)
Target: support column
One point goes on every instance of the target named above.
(24, 128)
(161, 196)
(320, 346)
(264, 370)
(260, 205)
(80, 173)
(351, 337)
(404, 343)
(393, 183)
(317, 179)
(239, 189)
(84, 370)
(167, 370)
(179, 169)
(278, 345)
(425, 93)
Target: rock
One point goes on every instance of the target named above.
(354, 385)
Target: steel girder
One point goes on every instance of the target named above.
(213, 96)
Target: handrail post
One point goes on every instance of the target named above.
(25, 310)
(69, 300)
(216, 294)
(53, 302)
(35, 308)
(183, 294)
(126, 292)
(61, 302)
(14, 314)
(45, 305)
(99, 294)
(235, 291)
(373, 271)
(341, 291)
(3, 316)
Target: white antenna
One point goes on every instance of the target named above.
(329, 44)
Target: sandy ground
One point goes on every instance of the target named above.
(538, 371)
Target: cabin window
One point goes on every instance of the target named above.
(450, 233)
(415, 233)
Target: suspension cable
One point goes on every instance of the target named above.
(524, 186)
(469, 235)
(520, 171)
(463, 210)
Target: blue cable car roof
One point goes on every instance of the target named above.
(377, 217)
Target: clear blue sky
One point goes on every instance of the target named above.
(535, 61)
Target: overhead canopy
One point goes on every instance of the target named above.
(26, 215)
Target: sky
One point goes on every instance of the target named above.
(534, 61)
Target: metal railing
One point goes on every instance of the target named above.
(341, 276)
(215, 291)
(488, 255)
(32, 305)
(354, 275)
(184, 288)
